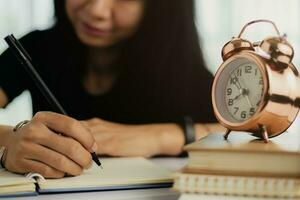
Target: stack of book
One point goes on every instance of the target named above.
(241, 166)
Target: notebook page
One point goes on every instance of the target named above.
(10, 179)
(14, 184)
(115, 172)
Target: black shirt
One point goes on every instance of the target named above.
(135, 98)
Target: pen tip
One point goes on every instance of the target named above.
(96, 160)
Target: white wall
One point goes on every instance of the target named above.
(220, 20)
(20, 17)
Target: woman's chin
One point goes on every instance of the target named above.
(96, 41)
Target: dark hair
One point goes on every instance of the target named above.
(166, 36)
(165, 47)
(166, 51)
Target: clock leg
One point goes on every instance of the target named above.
(227, 134)
(264, 133)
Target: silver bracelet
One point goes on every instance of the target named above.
(2, 151)
(20, 125)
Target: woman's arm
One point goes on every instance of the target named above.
(5, 132)
(142, 140)
(3, 98)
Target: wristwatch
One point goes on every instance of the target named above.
(189, 130)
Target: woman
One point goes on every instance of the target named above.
(130, 70)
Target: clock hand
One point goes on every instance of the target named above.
(235, 98)
(243, 91)
(248, 100)
(237, 81)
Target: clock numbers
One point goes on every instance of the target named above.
(244, 91)
(236, 110)
(239, 72)
(248, 69)
(252, 111)
(261, 81)
(233, 80)
(230, 102)
(229, 91)
(243, 114)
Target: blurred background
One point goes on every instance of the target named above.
(217, 21)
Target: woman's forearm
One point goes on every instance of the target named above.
(146, 140)
(170, 138)
(5, 131)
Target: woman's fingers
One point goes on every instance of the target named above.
(53, 159)
(49, 153)
(68, 147)
(68, 127)
(41, 168)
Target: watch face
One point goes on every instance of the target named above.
(241, 87)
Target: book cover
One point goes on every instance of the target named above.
(243, 154)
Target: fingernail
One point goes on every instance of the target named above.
(95, 147)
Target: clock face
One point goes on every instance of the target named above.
(243, 90)
(239, 90)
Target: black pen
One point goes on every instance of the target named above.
(24, 58)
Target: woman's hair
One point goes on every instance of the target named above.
(162, 59)
(167, 35)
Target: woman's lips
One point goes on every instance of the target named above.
(95, 31)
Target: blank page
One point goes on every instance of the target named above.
(116, 172)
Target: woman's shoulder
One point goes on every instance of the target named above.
(13, 78)
(42, 46)
(39, 34)
(28, 41)
(33, 35)
(37, 40)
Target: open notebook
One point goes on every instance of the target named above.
(118, 173)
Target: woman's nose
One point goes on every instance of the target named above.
(101, 9)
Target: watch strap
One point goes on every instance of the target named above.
(189, 130)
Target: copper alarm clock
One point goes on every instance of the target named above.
(256, 88)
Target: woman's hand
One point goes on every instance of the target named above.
(37, 146)
(136, 140)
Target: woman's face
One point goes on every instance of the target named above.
(101, 23)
